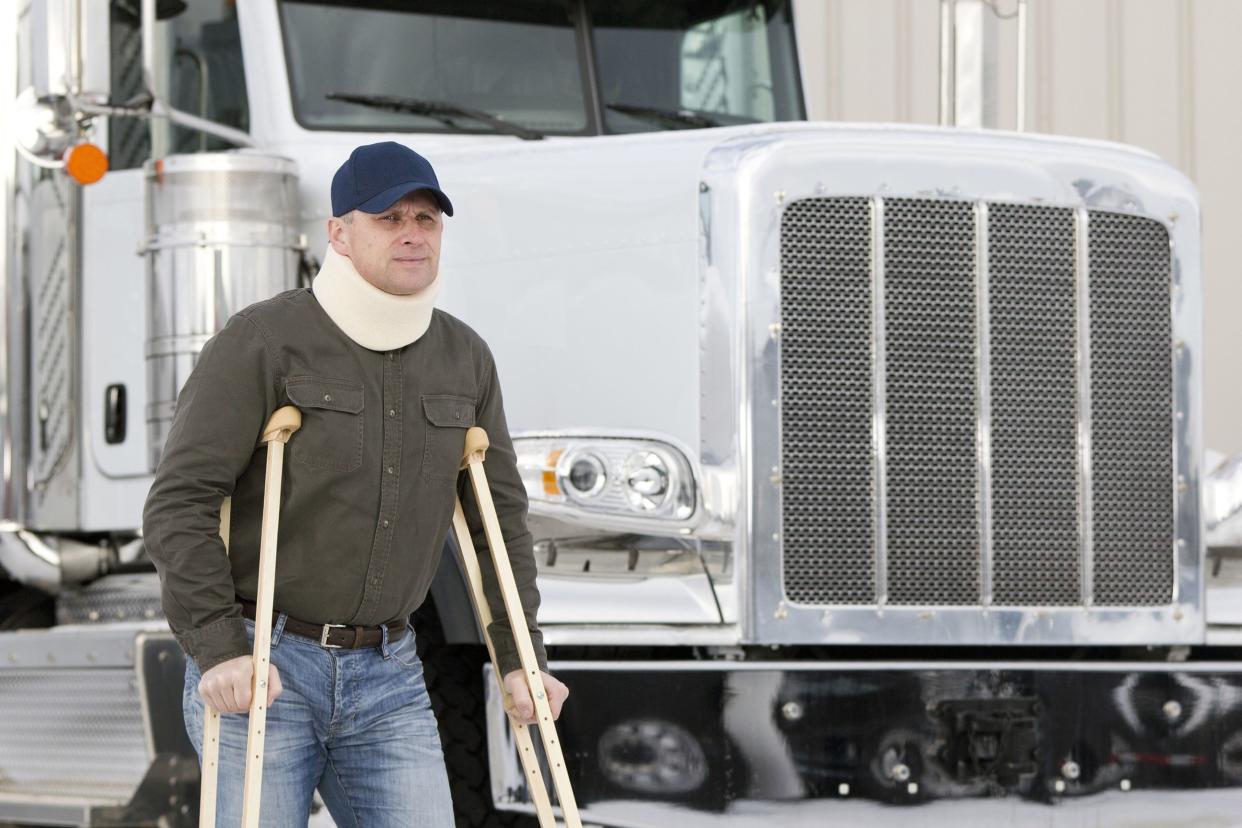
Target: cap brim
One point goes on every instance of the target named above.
(387, 198)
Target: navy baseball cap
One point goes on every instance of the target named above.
(377, 176)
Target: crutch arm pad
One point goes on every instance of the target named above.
(284, 421)
(476, 443)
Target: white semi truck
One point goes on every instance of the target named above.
(864, 461)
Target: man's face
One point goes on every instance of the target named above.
(397, 250)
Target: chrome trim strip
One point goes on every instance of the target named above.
(983, 384)
(1082, 272)
(879, 434)
(642, 634)
(558, 666)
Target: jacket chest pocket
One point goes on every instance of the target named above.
(447, 417)
(331, 432)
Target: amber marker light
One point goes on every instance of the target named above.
(86, 163)
(550, 486)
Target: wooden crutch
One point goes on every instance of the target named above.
(284, 421)
(476, 448)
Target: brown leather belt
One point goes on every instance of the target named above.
(334, 636)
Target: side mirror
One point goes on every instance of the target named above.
(43, 127)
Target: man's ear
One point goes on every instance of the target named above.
(338, 236)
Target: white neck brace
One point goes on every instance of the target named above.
(374, 319)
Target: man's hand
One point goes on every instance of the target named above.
(521, 708)
(226, 687)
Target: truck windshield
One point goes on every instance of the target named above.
(550, 67)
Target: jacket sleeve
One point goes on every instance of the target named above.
(509, 497)
(220, 412)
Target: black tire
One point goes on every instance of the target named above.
(454, 675)
(23, 607)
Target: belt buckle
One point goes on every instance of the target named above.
(323, 636)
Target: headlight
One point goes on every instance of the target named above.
(614, 476)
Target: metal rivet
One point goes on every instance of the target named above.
(900, 772)
(1125, 784)
(1070, 769)
(392, 412)
(1059, 785)
(792, 711)
(912, 788)
(327, 398)
(843, 789)
(781, 613)
(1172, 710)
(385, 524)
(391, 469)
(780, 195)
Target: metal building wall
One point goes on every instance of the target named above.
(1159, 74)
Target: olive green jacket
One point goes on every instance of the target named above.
(367, 498)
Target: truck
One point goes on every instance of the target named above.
(864, 461)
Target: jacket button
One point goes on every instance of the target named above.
(392, 412)
(385, 524)
(327, 398)
(390, 470)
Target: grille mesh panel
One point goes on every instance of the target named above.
(1033, 314)
(71, 733)
(929, 318)
(1131, 405)
(828, 531)
(826, 402)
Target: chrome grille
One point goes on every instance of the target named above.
(929, 543)
(929, 311)
(1034, 424)
(1131, 410)
(826, 402)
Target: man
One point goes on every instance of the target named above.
(387, 387)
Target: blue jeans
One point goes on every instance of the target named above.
(356, 724)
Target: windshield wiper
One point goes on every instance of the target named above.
(676, 117)
(441, 111)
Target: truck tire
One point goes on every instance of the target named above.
(454, 676)
(23, 607)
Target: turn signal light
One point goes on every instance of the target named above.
(86, 163)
